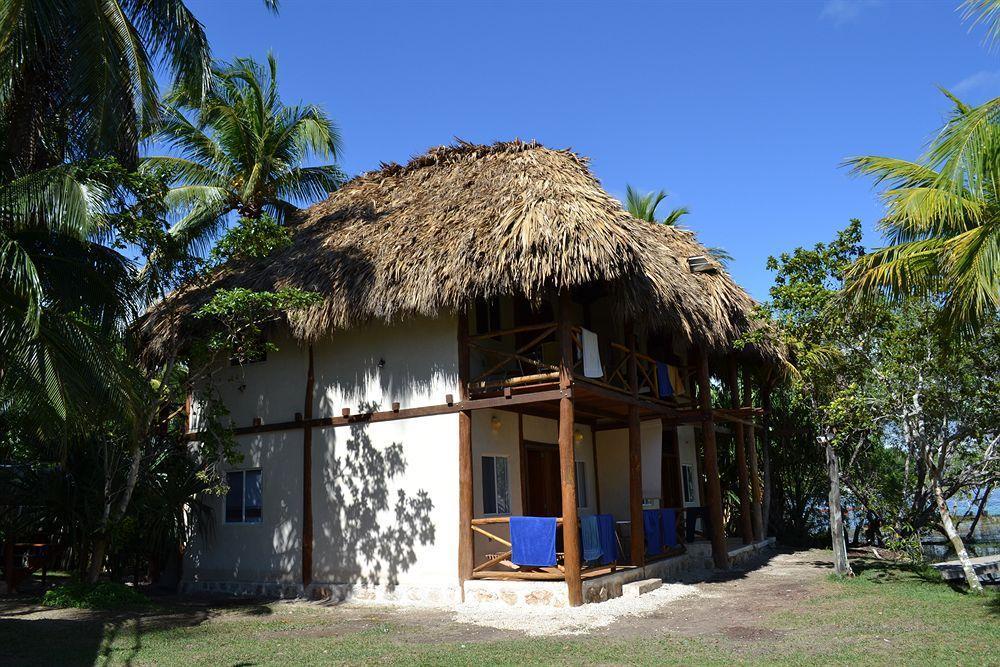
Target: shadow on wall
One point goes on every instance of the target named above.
(371, 524)
(256, 552)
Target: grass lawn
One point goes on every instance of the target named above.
(886, 615)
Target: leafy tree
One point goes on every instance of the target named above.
(242, 150)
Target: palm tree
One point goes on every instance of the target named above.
(242, 152)
(942, 222)
(644, 205)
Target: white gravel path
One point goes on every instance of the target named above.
(538, 621)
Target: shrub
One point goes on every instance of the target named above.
(103, 595)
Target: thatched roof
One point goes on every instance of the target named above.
(465, 222)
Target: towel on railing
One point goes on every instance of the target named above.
(609, 538)
(590, 538)
(663, 383)
(533, 540)
(651, 526)
(677, 381)
(669, 517)
(591, 354)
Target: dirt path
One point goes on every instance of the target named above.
(735, 603)
(731, 606)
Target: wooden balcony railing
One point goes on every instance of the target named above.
(514, 571)
(537, 361)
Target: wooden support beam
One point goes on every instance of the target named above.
(765, 444)
(756, 516)
(567, 458)
(637, 547)
(522, 459)
(597, 476)
(466, 554)
(739, 446)
(720, 552)
(307, 505)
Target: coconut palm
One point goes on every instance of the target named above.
(942, 222)
(644, 205)
(243, 151)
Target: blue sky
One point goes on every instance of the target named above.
(743, 111)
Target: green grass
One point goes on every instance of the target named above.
(886, 615)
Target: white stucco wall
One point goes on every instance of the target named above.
(384, 494)
(255, 552)
(612, 464)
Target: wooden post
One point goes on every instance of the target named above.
(638, 542)
(307, 506)
(739, 441)
(765, 445)
(756, 516)
(597, 477)
(522, 456)
(567, 458)
(465, 537)
(720, 552)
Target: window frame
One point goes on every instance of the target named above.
(496, 498)
(687, 483)
(243, 499)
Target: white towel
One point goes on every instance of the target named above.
(591, 354)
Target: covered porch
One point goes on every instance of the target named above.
(572, 443)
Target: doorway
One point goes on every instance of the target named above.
(544, 497)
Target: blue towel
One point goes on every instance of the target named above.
(609, 538)
(591, 538)
(651, 526)
(533, 540)
(663, 380)
(669, 517)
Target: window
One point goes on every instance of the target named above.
(487, 316)
(581, 484)
(244, 499)
(687, 474)
(496, 485)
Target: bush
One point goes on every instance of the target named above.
(104, 595)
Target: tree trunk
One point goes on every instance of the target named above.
(96, 566)
(979, 513)
(956, 540)
(841, 565)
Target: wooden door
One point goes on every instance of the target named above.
(544, 496)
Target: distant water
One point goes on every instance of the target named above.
(987, 536)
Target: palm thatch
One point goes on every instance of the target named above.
(467, 222)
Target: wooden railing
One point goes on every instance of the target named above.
(514, 571)
(536, 361)
(525, 364)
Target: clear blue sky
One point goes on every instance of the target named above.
(743, 111)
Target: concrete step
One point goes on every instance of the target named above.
(636, 588)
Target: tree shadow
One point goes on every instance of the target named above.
(369, 525)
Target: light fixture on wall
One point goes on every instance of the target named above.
(577, 436)
(495, 424)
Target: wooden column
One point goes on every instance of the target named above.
(756, 517)
(765, 444)
(638, 542)
(739, 443)
(465, 542)
(307, 505)
(567, 458)
(720, 552)
(597, 477)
